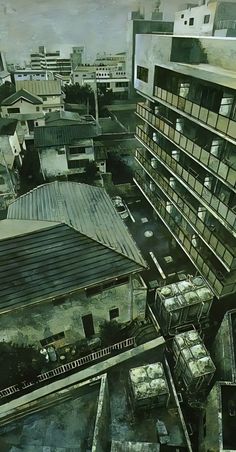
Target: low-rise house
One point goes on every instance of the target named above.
(49, 91)
(21, 102)
(73, 265)
(66, 149)
(31, 74)
(10, 147)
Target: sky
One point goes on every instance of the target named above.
(99, 25)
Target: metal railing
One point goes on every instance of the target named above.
(66, 368)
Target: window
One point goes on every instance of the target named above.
(37, 108)
(185, 22)
(121, 84)
(142, 73)
(44, 97)
(77, 150)
(182, 16)
(191, 21)
(13, 110)
(114, 313)
(60, 151)
(207, 19)
(2, 180)
(22, 123)
(51, 339)
(77, 163)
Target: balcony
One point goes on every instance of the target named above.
(224, 252)
(217, 122)
(222, 170)
(219, 209)
(202, 263)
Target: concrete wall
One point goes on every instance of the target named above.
(25, 107)
(52, 103)
(222, 352)
(209, 439)
(149, 50)
(46, 319)
(54, 164)
(182, 26)
(6, 156)
(101, 435)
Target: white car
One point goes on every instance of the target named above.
(120, 207)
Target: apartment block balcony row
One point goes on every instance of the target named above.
(224, 252)
(218, 281)
(211, 201)
(214, 106)
(208, 160)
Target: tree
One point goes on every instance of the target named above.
(110, 332)
(90, 171)
(19, 363)
(6, 90)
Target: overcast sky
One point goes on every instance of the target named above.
(99, 25)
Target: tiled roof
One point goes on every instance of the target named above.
(47, 136)
(40, 87)
(7, 126)
(87, 209)
(53, 261)
(22, 93)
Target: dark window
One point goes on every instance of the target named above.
(37, 108)
(191, 21)
(142, 73)
(121, 84)
(182, 16)
(77, 150)
(13, 110)
(81, 163)
(51, 339)
(60, 151)
(22, 123)
(44, 97)
(114, 313)
(185, 22)
(207, 19)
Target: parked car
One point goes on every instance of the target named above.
(120, 207)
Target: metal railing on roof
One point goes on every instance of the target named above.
(66, 368)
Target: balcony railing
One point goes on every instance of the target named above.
(179, 232)
(212, 163)
(219, 209)
(69, 367)
(221, 250)
(217, 122)
(226, 24)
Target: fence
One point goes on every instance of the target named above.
(65, 368)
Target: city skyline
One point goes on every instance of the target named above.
(26, 25)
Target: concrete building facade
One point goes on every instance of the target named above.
(188, 132)
(211, 17)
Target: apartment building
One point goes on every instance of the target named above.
(50, 61)
(187, 162)
(210, 17)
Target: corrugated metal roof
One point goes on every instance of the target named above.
(86, 208)
(22, 93)
(47, 136)
(52, 262)
(40, 87)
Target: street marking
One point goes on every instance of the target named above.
(157, 265)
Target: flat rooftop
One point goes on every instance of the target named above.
(228, 407)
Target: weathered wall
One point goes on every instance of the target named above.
(197, 13)
(101, 435)
(46, 319)
(210, 439)
(222, 352)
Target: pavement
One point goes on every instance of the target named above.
(164, 257)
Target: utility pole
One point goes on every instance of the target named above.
(96, 99)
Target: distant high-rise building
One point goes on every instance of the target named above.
(50, 61)
(76, 57)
